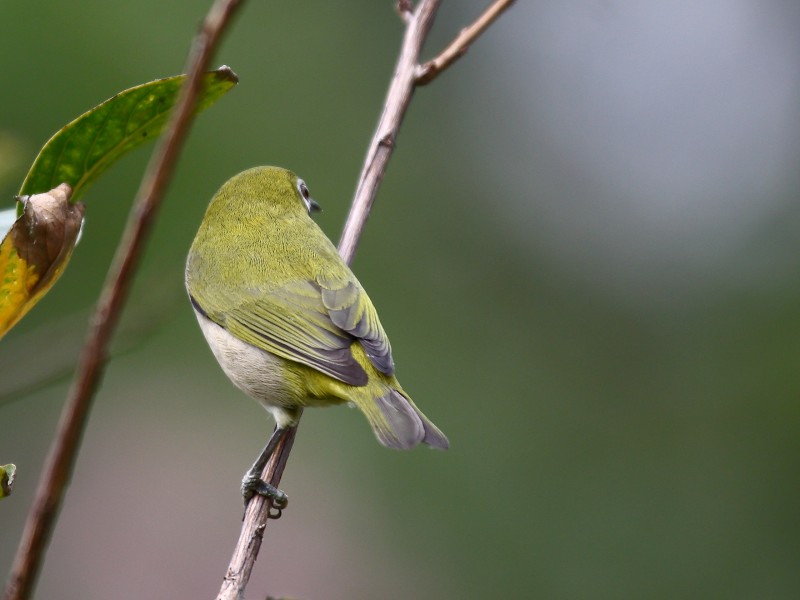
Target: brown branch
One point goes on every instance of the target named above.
(401, 89)
(397, 100)
(255, 520)
(459, 46)
(61, 460)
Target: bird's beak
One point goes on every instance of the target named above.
(313, 206)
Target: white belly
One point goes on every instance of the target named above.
(256, 372)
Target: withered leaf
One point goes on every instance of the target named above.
(36, 250)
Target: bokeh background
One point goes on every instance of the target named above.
(586, 254)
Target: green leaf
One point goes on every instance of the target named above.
(36, 250)
(87, 146)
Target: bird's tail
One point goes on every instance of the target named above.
(398, 423)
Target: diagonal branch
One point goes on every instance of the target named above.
(398, 98)
(459, 46)
(61, 459)
(401, 89)
(255, 520)
(383, 141)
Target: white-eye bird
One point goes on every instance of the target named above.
(287, 319)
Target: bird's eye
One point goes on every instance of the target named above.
(311, 205)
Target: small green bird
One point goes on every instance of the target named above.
(288, 321)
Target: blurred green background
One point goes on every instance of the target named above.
(586, 254)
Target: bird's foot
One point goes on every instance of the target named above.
(252, 485)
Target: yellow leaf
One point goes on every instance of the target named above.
(35, 251)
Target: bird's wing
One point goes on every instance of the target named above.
(351, 310)
(312, 323)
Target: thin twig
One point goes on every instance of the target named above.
(459, 46)
(401, 89)
(380, 150)
(61, 459)
(255, 521)
(404, 8)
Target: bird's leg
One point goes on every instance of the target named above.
(253, 484)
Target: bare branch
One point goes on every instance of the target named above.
(404, 8)
(60, 462)
(255, 521)
(380, 149)
(401, 89)
(397, 100)
(459, 46)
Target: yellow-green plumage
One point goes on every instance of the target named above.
(288, 321)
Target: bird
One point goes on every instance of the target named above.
(288, 321)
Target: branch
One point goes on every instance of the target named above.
(459, 46)
(401, 89)
(255, 520)
(61, 459)
(405, 10)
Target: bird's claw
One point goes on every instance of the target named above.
(252, 485)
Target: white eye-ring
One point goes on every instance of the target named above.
(311, 205)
